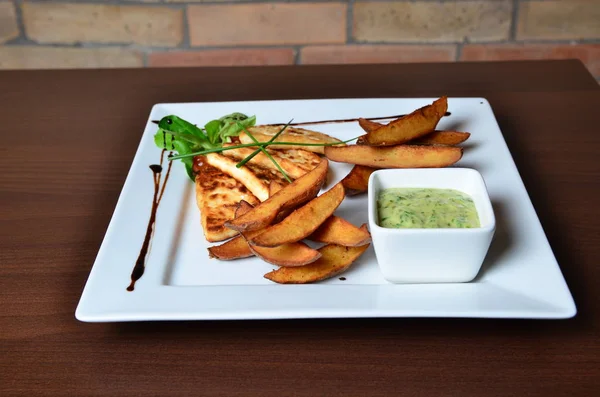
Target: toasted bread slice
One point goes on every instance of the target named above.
(264, 133)
(256, 179)
(217, 197)
(294, 162)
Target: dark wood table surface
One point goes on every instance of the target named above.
(68, 139)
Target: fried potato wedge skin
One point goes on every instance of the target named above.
(420, 122)
(334, 260)
(434, 138)
(302, 222)
(401, 156)
(264, 133)
(236, 248)
(285, 255)
(336, 230)
(243, 208)
(368, 125)
(274, 187)
(296, 193)
(443, 138)
(357, 180)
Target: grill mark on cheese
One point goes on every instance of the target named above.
(267, 175)
(293, 161)
(292, 134)
(217, 197)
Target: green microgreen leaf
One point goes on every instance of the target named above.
(234, 127)
(212, 129)
(178, 125)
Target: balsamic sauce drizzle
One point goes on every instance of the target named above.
(348, 120)
(140, 263)
(338, 120)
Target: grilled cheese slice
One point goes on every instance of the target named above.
(305, 160)
(264, 133)
(294, 162)
(256, 179)
(217, 197)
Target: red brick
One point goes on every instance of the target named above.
(233, 57)
(34, 57)
(431, 21)
(99, 23)
(559, 20)
(8, 22)
(265, 24)
(587, 53)
(377, 54)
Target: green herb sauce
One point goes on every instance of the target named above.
(426, 208)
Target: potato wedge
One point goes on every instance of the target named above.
(401, 156)
(296, 193)
(420, 122)
(334, 260)
(369, 125)
(236, 248)
(264, 133)
(274, 187)
(434, 138)
(357, 180)
(336, 230)
(302, 222)
(442, 138)
(285, 255)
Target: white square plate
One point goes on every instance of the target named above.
(519, 279)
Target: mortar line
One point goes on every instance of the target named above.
(297, 57)
(20, 22)
(512, 36)
(350, 22)
(459, 48)
(185, 42)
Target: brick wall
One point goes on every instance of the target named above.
(137, 33)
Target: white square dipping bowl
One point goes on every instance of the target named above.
(444, 255)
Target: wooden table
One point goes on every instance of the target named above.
(68, 139)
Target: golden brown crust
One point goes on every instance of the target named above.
(334, 260)
(286, 255)
(336, 230)
(236, 248)
(443, 138)
(401, 156)
(420, 122)
(357, 180)
(302, 222)
(217, 197)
